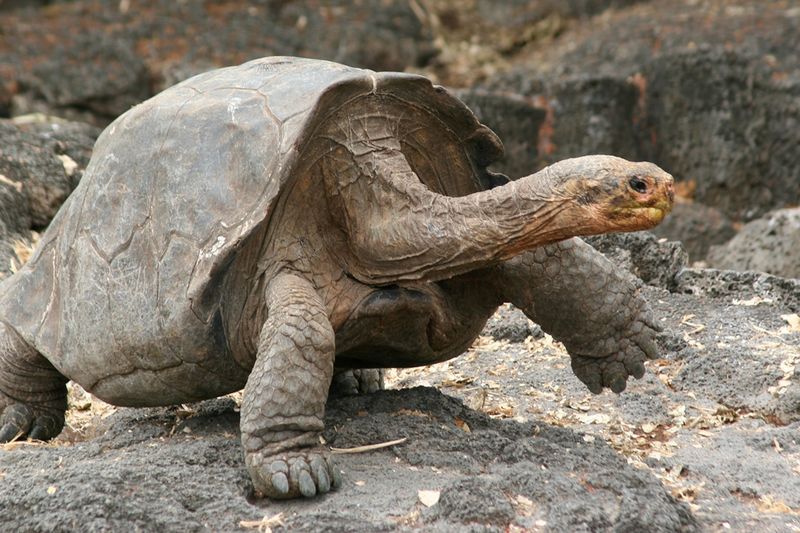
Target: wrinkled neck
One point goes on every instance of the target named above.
(399, 230)
(540, 209)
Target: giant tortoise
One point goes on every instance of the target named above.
(271, 225)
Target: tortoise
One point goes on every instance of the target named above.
(274, 225)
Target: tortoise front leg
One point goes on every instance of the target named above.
(583, 300)
(284, 399)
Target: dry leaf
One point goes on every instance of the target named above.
(524, 501)
(478, 400)
(503, 410)
(755, 300)
(15, 184)
(429, 498)
(525, 505)
(697, 327)
(70, 166)
(687, 494)
(594, 418)
(679, 411)
(794, 322)
(675, 473)
(457, 382)
(265, 524)
(768, 504)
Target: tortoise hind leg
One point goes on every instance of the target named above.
(33, 394)
(284, 399)
(353, 381)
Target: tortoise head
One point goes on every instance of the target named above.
(622, 195)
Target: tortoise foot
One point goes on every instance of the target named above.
(355, 381)
(613, 370)
(22, 420)
(619, 356)
(33, 394)
(293, 474)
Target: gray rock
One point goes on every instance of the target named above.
(510, 324)
(769, 244)
(582, 114)
(654, 261)
(719, 118)
(708, 418)
(158, 470)
(730, 358)
(41, 162)
(125, 55)
(697, 227)
(514, 13)
(784, 292)
(95, 75)
(8, 5)
(592, 115)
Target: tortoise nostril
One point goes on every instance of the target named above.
(638, 185)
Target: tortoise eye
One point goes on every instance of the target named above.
(638, 185)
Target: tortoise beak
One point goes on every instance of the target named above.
(656, 203)
(665, 194)
(640, 198)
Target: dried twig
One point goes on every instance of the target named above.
(369, 447)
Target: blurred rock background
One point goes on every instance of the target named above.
(709, 90)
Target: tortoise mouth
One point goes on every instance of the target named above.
(638, 216)
(654, 214)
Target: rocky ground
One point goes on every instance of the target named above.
(504, 437)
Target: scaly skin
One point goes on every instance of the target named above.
(583, 300)
(284, 399)
(399, 230)
(33, 394)
(395, 230)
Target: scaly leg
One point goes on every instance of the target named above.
(583, 300)
(33, 394)
(284, 399)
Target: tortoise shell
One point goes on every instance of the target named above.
(127, 276)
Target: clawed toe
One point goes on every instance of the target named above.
(293, 474)
(20, 420)
(15, 421)
(351, 382)
(611, 372)
(618, 357)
